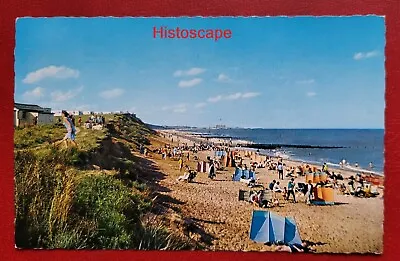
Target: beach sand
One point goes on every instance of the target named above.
(223, 222)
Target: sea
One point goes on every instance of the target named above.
(360, 146)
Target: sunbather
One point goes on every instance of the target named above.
(294, 248)
(185, 175)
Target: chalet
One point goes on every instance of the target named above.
(76, 113)
(30, 114)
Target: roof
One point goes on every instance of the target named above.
(29, 107)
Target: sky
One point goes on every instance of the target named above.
(274, 72)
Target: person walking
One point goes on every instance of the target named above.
(180, 164)
(71, 131)
(291, 185)
(280, 169)
(309, 192)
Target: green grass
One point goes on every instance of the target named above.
(59, 204)
(33, 136)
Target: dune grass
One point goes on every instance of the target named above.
(62, 204)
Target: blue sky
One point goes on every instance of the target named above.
(275, 72)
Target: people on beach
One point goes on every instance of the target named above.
(271, 185)
(294, 248)
(309, 192)
(276, 189)
(291, 186)
(211, 170)
(325, 168)
(180, 162)
(371, 166)
(188, 176)
(280, 169)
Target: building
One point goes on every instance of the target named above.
(75, 113)
(88, 113)
(29, 114)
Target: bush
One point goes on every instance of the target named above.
(113, 207)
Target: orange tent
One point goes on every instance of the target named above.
(325, 194)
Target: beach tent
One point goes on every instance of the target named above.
(202, 166)
(316, 177)
(246, 174)
(268, 227)
(218, 153)
(198, 166)
(252, 175)
(323, 196)
(237, 175)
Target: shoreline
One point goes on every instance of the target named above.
(239, 145)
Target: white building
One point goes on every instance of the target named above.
(57, 113)
(31, 114)
(76, 113)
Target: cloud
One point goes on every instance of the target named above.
(223, 78)
(58, 72)
(111, 93)
(311, 94)
(179, 108)
(190, 83)
(34, 94)
(200, 105)
(250, 94)
(234, 96)
(191, 72)
(215, 99)
(309, 81)
(360, 55)
(60, 96)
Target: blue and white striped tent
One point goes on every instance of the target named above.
(219, 153)
(246, 173)
(267, 227)
(237, 175)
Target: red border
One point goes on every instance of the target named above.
(12, 9)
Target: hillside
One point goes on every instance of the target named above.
(95, 196)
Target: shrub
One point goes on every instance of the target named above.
(113, 207)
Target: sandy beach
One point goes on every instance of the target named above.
(222, 222)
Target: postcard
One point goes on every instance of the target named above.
(200, 133)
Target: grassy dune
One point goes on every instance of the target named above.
(87, 197)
